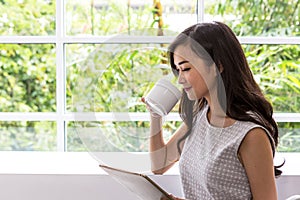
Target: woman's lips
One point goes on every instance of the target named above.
(187, 89)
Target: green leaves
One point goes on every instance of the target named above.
(27, 77)
(28, 17)
(277, 70)
(99, 75)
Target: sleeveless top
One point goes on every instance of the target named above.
(209, 164)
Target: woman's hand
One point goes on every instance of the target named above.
(152, 113)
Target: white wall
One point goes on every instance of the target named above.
(97, 187)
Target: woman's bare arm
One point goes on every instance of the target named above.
(256, 155)
(163, 154)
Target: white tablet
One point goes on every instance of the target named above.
(140, 184)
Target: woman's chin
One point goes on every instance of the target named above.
(191, 97)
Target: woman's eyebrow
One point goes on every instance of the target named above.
(182, 62)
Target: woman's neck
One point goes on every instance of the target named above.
(217, 116)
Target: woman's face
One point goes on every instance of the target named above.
(196, 78)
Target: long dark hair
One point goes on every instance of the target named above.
(244, 101)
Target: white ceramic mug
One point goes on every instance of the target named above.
(163, 97)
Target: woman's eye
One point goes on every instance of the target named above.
(186, 69)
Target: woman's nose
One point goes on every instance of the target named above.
(181, 78)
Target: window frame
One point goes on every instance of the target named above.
(61, 117)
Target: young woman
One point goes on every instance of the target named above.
(226, 143)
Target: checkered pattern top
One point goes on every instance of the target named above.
(209, 165)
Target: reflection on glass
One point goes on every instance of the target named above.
(31, 17)
(289, 137)
(109, 136)
(255, 17)
(107, 17)
(276, 69)
(28, 136)
(27, 78)
(100, 138)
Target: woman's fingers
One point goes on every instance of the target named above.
(153, 114)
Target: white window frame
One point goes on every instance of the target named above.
(60, 39)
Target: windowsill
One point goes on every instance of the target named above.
(83, 163)
(47, 163)
(18, 162)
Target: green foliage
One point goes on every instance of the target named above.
(27, 78)
(28, 136)
(289, 137)
(27, 84)
(113, 77)
(116, 86)
(27, 17)
(27, 74)
(107, 17)
(258, 17)
(275, 67)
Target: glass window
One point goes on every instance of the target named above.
(256, 18)
(276, 69)
(289, 137)
(113, 77)
(109, 17)
(27, 78)
(75, 65)
(113, 136)
(27, 136)
(27, 18)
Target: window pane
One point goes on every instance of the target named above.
(113, 77)
(277, 70)
(106, 17)
(256, 17)
(27, 78)
(107, 136)
(31, 17)
(289, 137)
(27, 136)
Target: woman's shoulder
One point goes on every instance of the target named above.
(251, 126)
(256, 131)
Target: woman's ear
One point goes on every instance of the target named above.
(220, 67)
